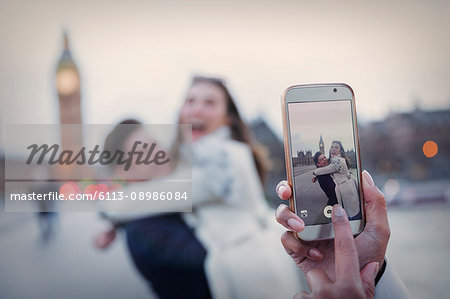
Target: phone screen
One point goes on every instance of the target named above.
(324, 165)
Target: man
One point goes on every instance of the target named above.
(325, 181)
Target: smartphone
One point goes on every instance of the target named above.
(322, 156)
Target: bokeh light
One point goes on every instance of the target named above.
(391, 188)
(69, 188)
(92, 190)
(430, 149)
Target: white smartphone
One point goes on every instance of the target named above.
(322, 156)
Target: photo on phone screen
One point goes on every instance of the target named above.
(325, 169)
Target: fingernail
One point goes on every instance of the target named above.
(314, 254)
(338, 211)
(281, 189)
(295, 225)
(368, 178)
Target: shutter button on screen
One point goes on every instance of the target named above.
(327, 211)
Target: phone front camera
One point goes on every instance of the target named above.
(335, 89)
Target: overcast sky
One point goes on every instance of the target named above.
(332, 120)
(136, 57)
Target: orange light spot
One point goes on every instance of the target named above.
(92, 190)
(115, 186)
(69, 189)
(102, 188)
(430, 149)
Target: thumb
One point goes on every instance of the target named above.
(375, 206)
(283, 190)
(368, 275)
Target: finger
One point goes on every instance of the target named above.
(376, 212)
(368, 275)
(288, 219)
(298, 250)
(346, 256)
(317, 279)
(302, 295)
(284, 190)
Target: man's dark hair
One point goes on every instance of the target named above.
(316, 158)
(115, 141)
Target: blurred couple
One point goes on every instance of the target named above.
(228, 247)
(336, 181)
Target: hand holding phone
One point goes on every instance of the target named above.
(349, 282)
(371, 244)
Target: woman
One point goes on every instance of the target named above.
(230, 217)
(346, 189)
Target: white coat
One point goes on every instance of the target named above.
(245, 257)
(231, 218)
(346, 187)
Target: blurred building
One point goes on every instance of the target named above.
(69, 100)
(395, 145)
(304, 158)
(394, 151)
(321, 145)
(351, 155)
(264, 135)
(69, 96)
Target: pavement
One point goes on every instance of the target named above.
(68, 265)
(419, 248)
(310, 196)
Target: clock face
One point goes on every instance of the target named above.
(67, 81)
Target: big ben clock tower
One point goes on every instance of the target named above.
(69, 96)
(321, 145)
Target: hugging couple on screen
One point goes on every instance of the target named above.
(336, 181)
